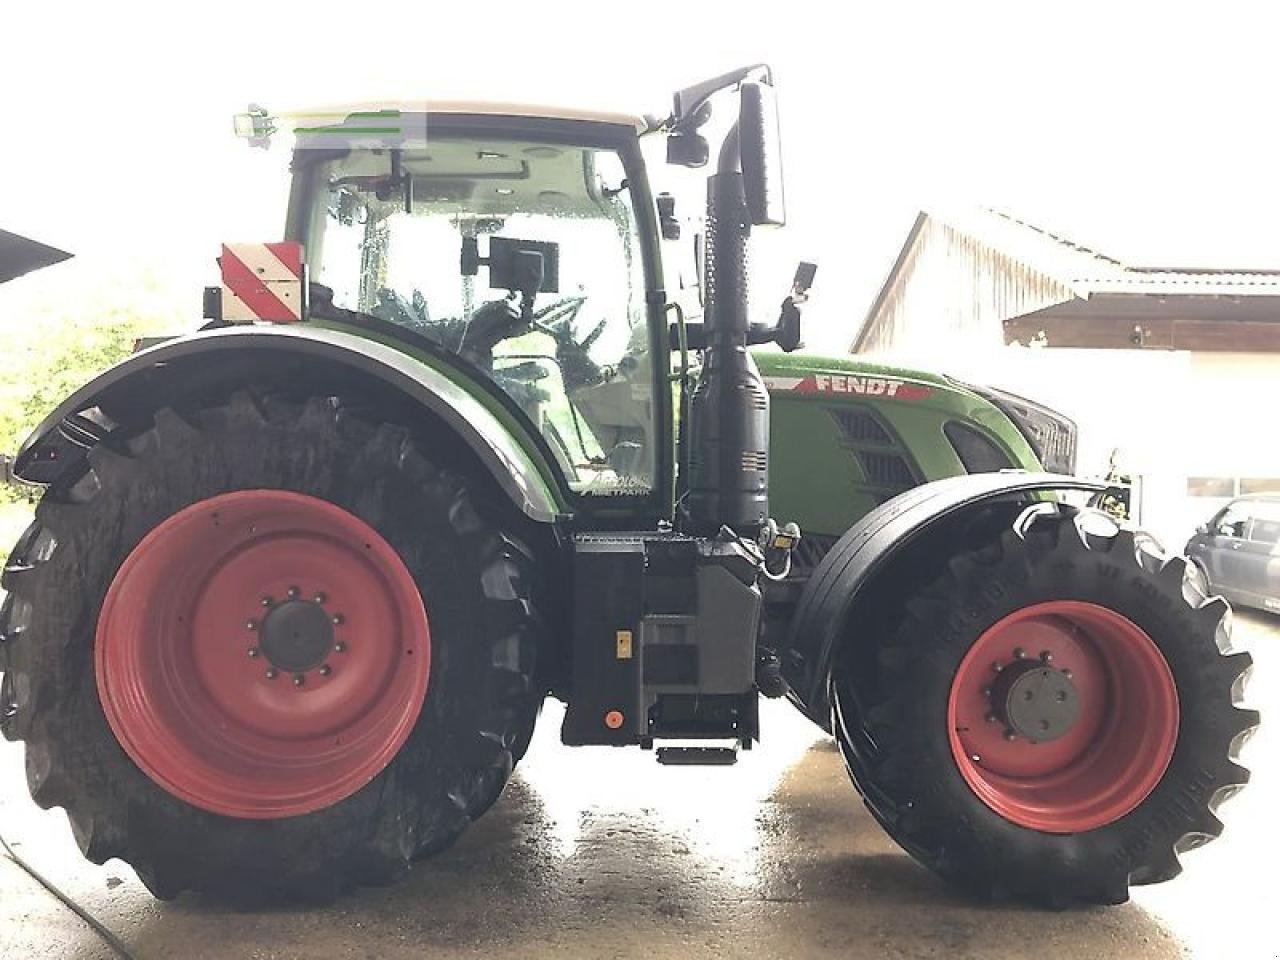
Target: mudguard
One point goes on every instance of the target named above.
(850, 567)
(488, 430)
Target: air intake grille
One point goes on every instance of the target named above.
(886, 461)
(886, 469)
(757, 397)
(976, 450)
(860, 426)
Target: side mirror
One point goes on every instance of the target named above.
(1203, 528)
(760, 150)
(686, 147)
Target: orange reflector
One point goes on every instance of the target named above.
(614, 719)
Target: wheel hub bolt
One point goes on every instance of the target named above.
(991, 718)
(271, 673)
(325, 669)
(997, 667)
(267, 601)
(253, 652)
(319, 598)
(1046, 656)
(1019, 653)
(299, 679)
(1010, 735)
(251, 625)
(1066, 672)
(294, 592)
(338, 619)
(340, 647)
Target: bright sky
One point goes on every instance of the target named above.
(1147, 131)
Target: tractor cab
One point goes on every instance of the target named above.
(526, 244)
(521, 245)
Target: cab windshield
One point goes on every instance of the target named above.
(405, 235)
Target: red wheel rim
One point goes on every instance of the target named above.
(1105, 762)
(262, 654)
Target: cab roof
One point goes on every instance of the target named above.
(485, 108)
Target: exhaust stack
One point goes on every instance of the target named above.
(729, 409)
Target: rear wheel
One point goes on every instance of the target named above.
(1053, 717)
(267, 650)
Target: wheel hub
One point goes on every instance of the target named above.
(1035, 701)
(297, 636)
(1071, 739)
(262, 654)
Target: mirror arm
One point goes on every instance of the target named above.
(690, 99)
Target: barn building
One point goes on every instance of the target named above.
(1173, 372)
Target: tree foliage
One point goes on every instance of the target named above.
(57, 339)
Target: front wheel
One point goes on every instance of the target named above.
(267, 649)
(1054, 716)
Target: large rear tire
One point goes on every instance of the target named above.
(267, 650)
(1052, 717)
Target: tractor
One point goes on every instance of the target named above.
(299, 582)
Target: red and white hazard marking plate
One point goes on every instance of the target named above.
(262, 281)
(841, 383)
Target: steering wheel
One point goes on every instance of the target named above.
(554, 317)
(557, 321)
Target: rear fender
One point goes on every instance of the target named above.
(849, 571)
(157, 376)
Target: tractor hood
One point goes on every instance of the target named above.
(847, 435)
(809, 373)
(19, 256)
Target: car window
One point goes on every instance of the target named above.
(1233, 521)
(1266, 531)
(1266, 523)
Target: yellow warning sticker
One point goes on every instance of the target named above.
(624, 644)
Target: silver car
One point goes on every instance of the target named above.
(1237, 553)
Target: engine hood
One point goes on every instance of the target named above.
(813, 374)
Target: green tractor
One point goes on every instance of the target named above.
(299, 583)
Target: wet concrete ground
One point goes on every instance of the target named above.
(599, 853)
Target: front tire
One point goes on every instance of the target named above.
(1053, 717)
(358, 706)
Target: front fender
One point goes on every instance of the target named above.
(850, 568)
(146, 379)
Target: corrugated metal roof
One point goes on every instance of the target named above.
(1088, 272)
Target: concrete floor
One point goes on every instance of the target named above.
(599, 853)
